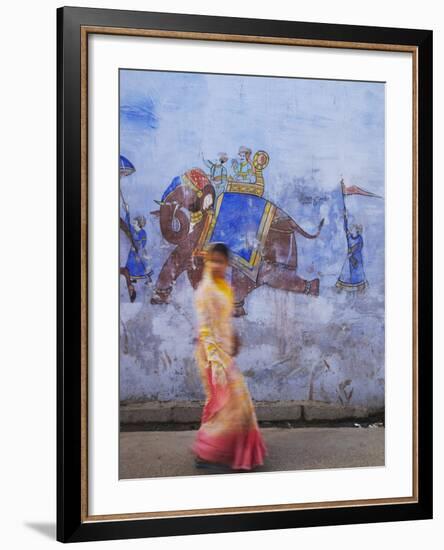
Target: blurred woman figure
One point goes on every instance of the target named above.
(229, 434)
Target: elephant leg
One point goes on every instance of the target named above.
(285, 278)
(175, 264)
(242, 286)
(131, 290)
(280, 247)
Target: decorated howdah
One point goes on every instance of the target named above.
(242, 222)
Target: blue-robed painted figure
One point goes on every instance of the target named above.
(352, 276)
(136, 262)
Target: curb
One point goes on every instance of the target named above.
(183, 412)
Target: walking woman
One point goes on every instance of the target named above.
(229, 434)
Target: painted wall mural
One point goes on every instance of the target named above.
(297, 194)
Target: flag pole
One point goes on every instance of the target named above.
(124, 226)
(343, 196)
(122, 197)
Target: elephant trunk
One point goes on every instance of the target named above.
(174, 222)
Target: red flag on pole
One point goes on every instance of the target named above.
(355, 190)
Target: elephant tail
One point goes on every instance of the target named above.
(298, 229)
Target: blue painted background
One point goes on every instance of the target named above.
(315, 132)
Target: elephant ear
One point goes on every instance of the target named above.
(198, 202)
(207, 191)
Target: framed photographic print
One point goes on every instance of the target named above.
(244, 274)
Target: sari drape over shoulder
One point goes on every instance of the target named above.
(229, 432)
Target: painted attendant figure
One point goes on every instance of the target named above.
(352, 277)
(136, 263)
(244, 170)
(218, 173)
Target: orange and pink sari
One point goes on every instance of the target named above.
(229, 432)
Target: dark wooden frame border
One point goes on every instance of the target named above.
(73, 521)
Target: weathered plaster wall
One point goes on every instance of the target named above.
(329, 348)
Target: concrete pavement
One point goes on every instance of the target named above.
(167, 453)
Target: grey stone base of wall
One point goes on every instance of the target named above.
(185, 412)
